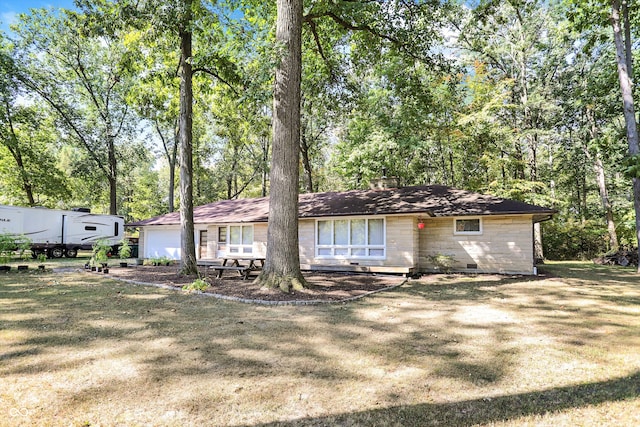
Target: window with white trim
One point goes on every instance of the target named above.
(353, 238)
(467, 226)
(240, 239)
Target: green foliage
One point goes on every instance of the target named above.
(442, 262)
(631, 166)
(197, 285)
(571, 240)
(24, 247)
(100, 251)
(82, 72)
(125, 249)
(7, 246)
(158, 261)
(28, 135)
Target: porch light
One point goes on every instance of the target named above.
(420, 225)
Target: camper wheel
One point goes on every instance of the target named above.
(72, 253)
(56, 252)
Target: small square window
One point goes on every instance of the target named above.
(468, 226)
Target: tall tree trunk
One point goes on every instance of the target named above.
(537, 243)
(112, 177)
(14, 148)
(24, 176)
(601, 179)
(187, 238)
(627, 36)
(172, 174)
(306, 163)
(598, 166)
(171, 153)
(624, 59)
(264, 143)
(282, 265)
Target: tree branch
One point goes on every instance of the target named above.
(363, 27)
(217, 76)
(316, 38)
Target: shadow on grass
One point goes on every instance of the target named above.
(485, 410)
(587, 271)
(455, 329)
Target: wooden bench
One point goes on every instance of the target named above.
(244, 270)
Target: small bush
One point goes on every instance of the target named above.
(197, 285)
(24, 247)
(442, 262)
(165, 261)
(158, 261)
(100, 252)
(7, 246)
(125, 249)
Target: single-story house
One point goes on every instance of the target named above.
(395, 230)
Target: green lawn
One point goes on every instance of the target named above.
(561, 349)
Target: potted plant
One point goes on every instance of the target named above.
(7, 245)
(100, 254)
(124, 252)
(24, 248)
(42, 257)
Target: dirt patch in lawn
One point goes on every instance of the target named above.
(324, 287)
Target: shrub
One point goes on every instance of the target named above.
(24, 247)
(571, 240)
(197, 285)
(7, 246)
(442, 262)
(125, 249)
(101, 251)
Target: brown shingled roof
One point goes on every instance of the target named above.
(432, 200)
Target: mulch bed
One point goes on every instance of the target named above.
(324, 287)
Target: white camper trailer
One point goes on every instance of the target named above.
(60, 233)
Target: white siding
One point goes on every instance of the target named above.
(162, 242)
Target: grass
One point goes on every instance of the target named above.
(561, 349)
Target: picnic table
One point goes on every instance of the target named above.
(233, 263)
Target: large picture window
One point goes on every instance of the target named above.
(350, 238)
(240, 239)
